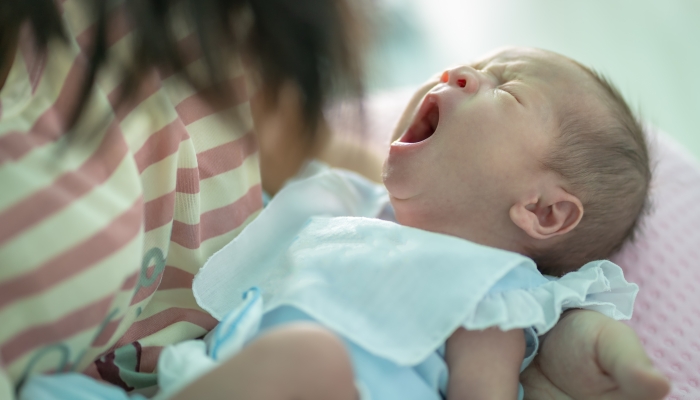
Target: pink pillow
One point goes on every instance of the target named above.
(664, 260)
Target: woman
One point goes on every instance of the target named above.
(136, 139)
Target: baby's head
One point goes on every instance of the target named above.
(525, 150)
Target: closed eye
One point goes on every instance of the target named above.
(498, 72)
(504, 88)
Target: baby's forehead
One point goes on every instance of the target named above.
(557, 83)
(532, 62)
(559, 78)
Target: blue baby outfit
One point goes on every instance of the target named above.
(394, 294)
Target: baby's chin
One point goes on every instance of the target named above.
(398, 183)
(404, 212)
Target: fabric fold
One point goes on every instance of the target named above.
(598, 285)
(325, 193)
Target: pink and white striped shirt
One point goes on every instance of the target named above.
(102, 231)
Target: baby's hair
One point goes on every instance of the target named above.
(605, 161)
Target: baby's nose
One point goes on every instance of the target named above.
(463, 77)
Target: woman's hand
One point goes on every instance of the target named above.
(590, 356)
(285, 143)
(282, 135)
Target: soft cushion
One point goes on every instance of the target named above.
(664, 260)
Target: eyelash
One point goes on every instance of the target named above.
(499, 76)
(500, 87)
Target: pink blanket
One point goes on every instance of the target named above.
(665, 263)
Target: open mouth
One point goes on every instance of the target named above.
(425, 123)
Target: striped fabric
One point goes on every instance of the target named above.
(102, 231)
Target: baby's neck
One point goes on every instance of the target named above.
(503, 235)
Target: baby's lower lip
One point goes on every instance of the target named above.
(399, 148)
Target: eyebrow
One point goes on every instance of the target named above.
(511, 64)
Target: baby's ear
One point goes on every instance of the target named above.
(554, 213)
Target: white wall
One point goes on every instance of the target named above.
(650, 49)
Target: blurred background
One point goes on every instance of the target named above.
(649, 48)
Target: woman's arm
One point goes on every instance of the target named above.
(298, 361)
(484, 364)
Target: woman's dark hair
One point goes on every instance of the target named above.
(313, 43)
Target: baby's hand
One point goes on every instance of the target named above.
(590, 356)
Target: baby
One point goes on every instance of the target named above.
(517, 150)
(528, 151)
(525, 151)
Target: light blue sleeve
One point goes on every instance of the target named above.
(71, 386)
(532, 344)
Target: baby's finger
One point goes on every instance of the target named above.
(621, 355)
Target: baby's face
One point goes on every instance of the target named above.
(477, 141)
